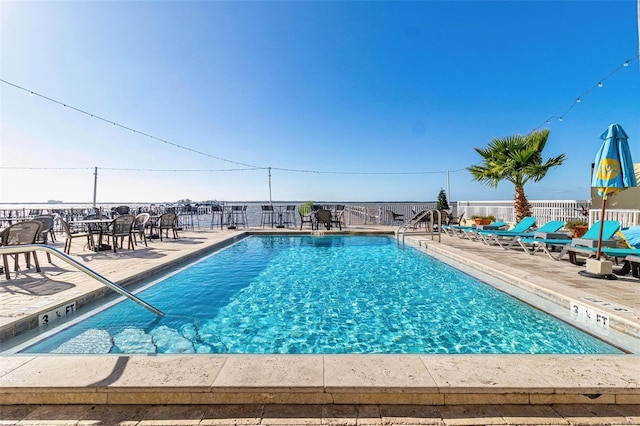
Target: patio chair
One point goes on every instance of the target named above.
(268, 215)
(216, 210)
(306, 217)
(139, 226)
(45, 232)
(324, 217)
(547, 245)
(239, 214)
(17, 234)
(454, 220)
(122, 227)
(48, 223)
(167, 222)
(290, 215)
(123, 210)
(71, 235)
(393, 217)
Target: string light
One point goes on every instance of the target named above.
(255, 167)
(579, 98)
(129, 128)
(248, 166)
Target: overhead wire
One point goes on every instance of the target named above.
(248, 167)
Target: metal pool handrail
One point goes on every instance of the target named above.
(71, 261)
(402, 230)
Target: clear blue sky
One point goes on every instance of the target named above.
(365, 87)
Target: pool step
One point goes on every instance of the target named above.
(320, 379)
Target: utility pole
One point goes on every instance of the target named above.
(95, 185)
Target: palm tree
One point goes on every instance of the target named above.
(516, 159)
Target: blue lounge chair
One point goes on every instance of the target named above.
(511, 236)
(458, 230)
(472, 232)
(489, 235)
(634, 263)
(533, 245)
(612, 252)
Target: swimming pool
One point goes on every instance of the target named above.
(322, 295)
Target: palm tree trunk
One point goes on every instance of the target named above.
(521, 204)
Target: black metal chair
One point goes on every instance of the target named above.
(216, 211)
(289, 215)
(394, 217)
(324, 217)
(268, 215)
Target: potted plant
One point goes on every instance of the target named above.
(483, 220)
(578, 227)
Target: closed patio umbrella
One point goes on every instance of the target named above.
(613, 169)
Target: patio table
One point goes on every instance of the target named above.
(101, 224)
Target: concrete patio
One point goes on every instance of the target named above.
(327, 389)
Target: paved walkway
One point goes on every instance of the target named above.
(448, 390)
(190, 415)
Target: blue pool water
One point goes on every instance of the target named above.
(322, 295)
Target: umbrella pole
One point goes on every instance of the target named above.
(604, 204)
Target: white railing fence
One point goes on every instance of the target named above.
(625, 217)
(546, 210)
(379, 213)
(543, 210)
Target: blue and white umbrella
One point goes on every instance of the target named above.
(613, 169)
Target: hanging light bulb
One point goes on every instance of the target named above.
(30, 93)
(578, 100)
(547, 122)
(599, 84)
(626, 64)
(560, 119)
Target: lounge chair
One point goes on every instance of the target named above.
(521, 229)
(609, 252)
(472, 232)
(459, 230)
(533, 245)
(634, 263)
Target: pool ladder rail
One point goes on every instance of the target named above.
(413, 223)
(25, 248)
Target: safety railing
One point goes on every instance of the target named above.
(26, 248)
(415, 221)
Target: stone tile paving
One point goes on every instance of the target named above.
(178, 415)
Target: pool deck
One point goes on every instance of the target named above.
(435, 389)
